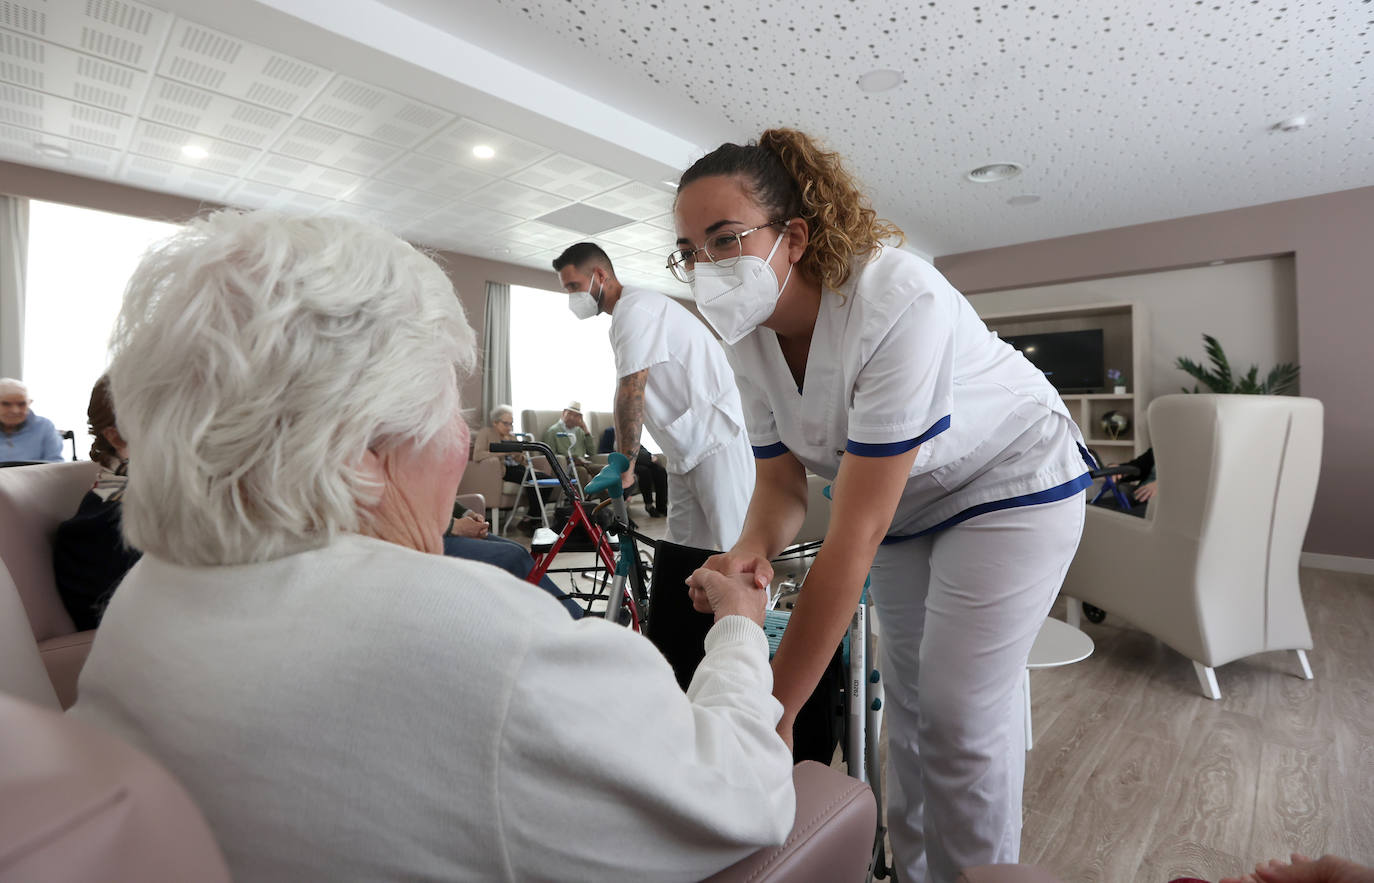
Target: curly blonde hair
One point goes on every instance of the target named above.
(791, 175)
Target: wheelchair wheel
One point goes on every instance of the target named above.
(1094, 614)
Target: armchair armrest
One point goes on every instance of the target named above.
(831, 839)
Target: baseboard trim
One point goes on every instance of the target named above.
(1343, 563)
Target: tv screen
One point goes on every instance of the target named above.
(1072, 360)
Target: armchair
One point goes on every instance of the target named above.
(1212, 570)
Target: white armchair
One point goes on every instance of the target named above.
(1212, 570)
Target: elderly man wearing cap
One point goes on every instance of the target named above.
(569, 437)
(24, 436)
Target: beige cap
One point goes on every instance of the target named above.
(574, 405)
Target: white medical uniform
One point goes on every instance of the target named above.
(976, 552)
(692, 408)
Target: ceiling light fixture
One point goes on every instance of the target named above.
(997, 171)
(1024, 199)
(483, 151)
(52, 151)
(670, 184)
(1292, 124)
(880, 80)
(194, 151)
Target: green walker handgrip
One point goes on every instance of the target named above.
(608, 479)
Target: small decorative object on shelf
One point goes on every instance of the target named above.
(1118, 381)
(1114, 423)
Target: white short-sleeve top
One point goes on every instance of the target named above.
(691, 404)
(900, 359)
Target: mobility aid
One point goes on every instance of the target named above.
(612, 539)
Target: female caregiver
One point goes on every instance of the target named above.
(957, 478)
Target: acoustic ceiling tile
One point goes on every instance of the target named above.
(222, 63)
(568, 177)
(517, 199)
(169, 144)
(642, 237)
(295, 174)
(332, 147)
(634, 200)
(467, 218)
(187, 107)
(115, 30)
(44, 67)
(542, 236)
(417, 170)
(456, 143)
(377, 113)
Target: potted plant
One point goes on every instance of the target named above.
(1219, 378)
(1118, 381)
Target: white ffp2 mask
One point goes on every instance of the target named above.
(741, 298)
(583, 304)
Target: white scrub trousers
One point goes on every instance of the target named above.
(959, 610)
(706, 506)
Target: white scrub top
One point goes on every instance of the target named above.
(899, 359)
(691, 404)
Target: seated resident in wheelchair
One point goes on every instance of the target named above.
(341, 700)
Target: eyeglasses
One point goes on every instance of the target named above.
(721, 249)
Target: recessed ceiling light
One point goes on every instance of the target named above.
(997, 171)
(666, 183)
(880, 80)
(194, 151)
(1292, 124)
(483, 151)
(1215, 263)
(1024, 199)
(52, 151)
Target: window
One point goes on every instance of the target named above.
(556, 358)
(79, 263)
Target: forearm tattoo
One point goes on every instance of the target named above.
(629, 412)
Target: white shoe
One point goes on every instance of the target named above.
(543, 537)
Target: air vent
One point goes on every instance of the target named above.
(585, 219)
(998, 171)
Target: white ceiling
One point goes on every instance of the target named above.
(1120, 114)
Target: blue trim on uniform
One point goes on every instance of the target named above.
(891, 449)
(1052, 495)
(768, 452)
(886, 449)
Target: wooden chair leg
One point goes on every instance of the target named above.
(1207, 677)
(1306, 668)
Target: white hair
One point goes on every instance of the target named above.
(498, 411)
(256, 359)
(9, 385)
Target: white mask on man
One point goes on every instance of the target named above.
(741, 298)
(583, 304)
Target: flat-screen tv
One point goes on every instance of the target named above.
(1072, 360)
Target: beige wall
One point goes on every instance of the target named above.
(1330, 239)
(469, 274)
(1180, 306)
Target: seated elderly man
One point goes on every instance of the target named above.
(23, 434)
(343, 701)
(570, 438)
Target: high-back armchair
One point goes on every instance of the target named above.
(1212, 570)
(34, 500)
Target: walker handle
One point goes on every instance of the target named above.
(608, 479)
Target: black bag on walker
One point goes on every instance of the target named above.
(679, 632)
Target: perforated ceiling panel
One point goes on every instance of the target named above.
(127, 92)
(1121, 113)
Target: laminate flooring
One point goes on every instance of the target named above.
(1136, 776)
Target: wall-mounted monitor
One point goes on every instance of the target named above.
(1071, 360)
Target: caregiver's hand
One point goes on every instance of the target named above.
(739, 561)
(734, 595)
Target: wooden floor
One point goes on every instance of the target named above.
(1135, 776)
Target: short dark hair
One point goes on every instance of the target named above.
(580, 254)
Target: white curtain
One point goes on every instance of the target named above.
(496, 349)
(14, 258)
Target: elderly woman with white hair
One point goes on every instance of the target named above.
(343, 701)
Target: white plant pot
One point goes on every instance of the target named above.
(1121, 390)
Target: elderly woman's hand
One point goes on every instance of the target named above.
(471, 525)
(734, 595)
